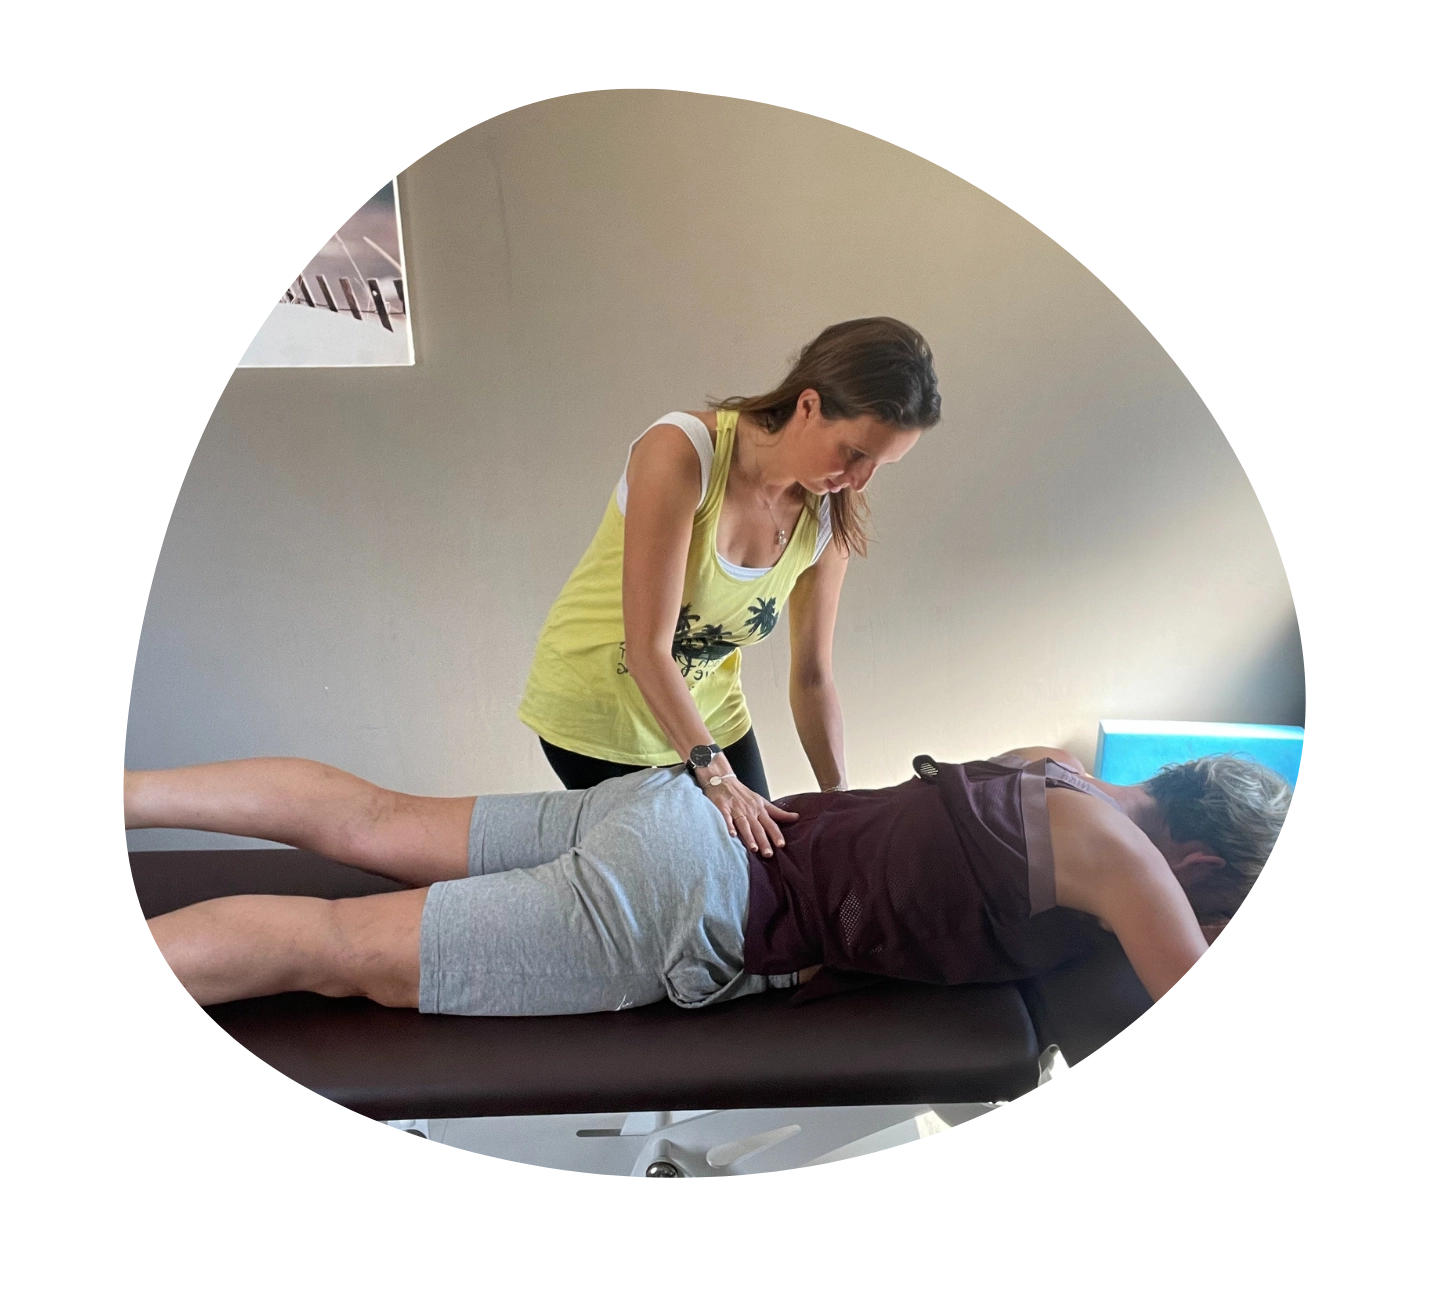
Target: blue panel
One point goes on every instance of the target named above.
(1130, 752)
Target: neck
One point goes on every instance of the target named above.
(758, 458)
(1133, 800)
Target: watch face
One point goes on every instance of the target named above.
(701, 755)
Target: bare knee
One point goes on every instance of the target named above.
(361, 833)
(372, 945)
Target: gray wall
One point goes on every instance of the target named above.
(360, 560)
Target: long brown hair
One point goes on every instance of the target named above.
(876, 367)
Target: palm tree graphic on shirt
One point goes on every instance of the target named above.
(762, 616)
(700, 648)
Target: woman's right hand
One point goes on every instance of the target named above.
(753, 819)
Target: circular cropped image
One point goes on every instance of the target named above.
(696, 642)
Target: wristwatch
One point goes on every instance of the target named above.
(700, 756)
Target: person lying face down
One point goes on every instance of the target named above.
(635, 890)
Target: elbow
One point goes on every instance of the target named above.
(645, 662)
(811, 680)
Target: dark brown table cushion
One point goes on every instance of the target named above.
(895, 1042)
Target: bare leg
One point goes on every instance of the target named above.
(239, 947)
(310, 805)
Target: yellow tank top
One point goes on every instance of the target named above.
(580, 695)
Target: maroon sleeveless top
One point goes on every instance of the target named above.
(946, 878)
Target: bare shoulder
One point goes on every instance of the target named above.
(1105, 865)
(827, 571)
(709, 420)
(661, 456)
(1095, 846)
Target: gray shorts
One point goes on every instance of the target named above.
(591, 901)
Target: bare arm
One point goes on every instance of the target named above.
(1157, 928)
(813, 697)
(1106, 866)
(664, 483)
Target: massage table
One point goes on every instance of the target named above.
(779, 1085)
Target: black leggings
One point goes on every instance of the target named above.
(575, 770)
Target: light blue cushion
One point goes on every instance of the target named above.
(1130, 752)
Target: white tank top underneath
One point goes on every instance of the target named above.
(698, 435)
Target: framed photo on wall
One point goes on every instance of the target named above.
(349, 307)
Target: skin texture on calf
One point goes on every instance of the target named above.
(241, 947)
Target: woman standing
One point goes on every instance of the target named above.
(719, 519)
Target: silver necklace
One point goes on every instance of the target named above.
(780, 536)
